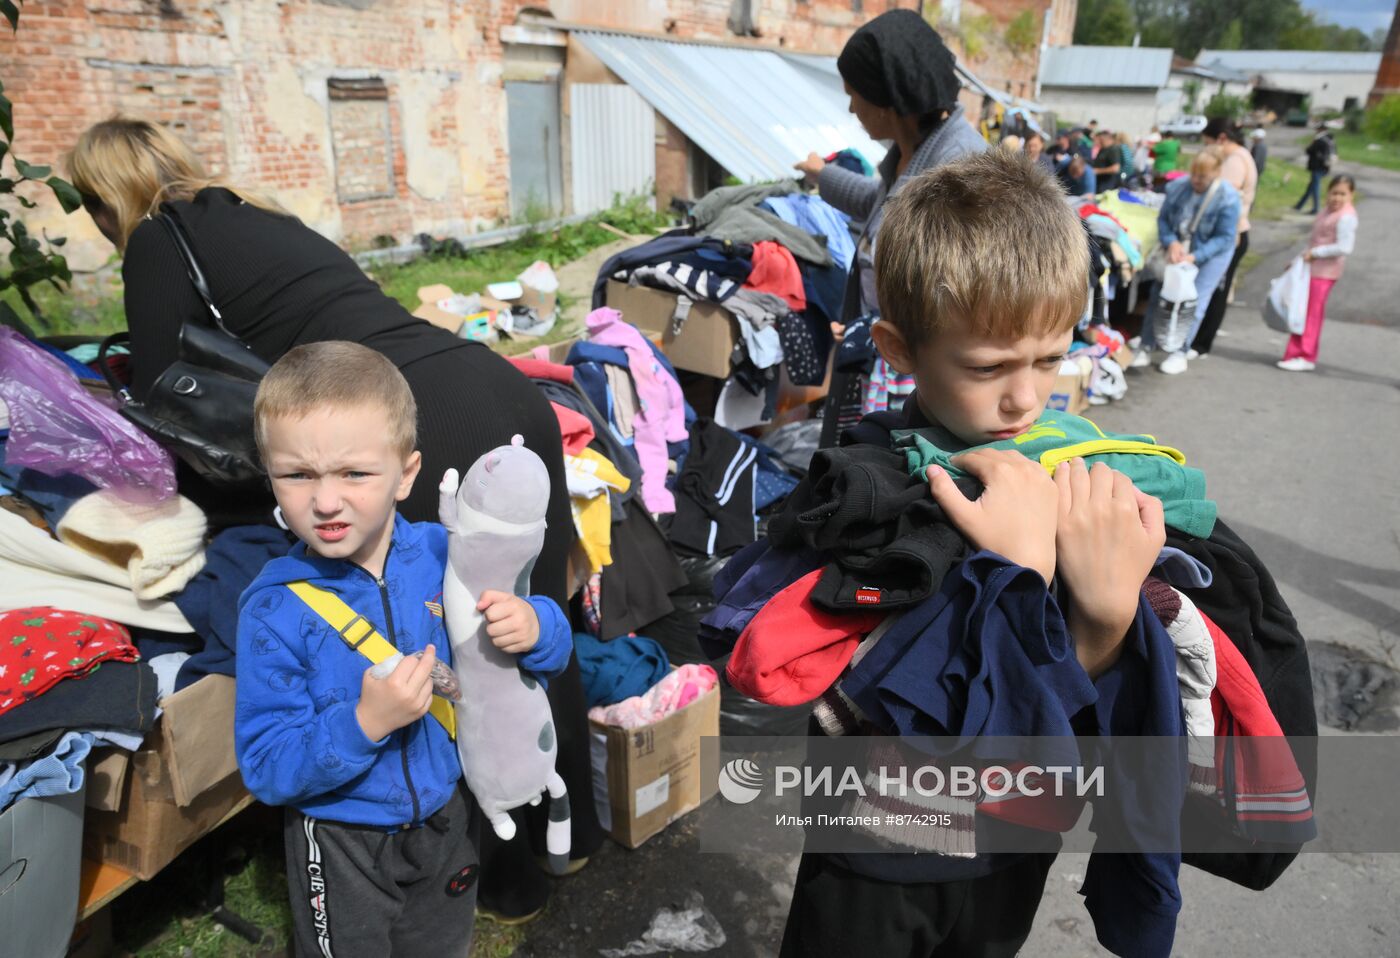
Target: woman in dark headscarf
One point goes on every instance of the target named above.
(903, 87)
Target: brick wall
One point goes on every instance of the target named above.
(247, 83)
(1388, 76)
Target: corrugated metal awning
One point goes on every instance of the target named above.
(823, 70)
(751, 110)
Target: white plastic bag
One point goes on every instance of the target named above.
(539, 276)
(1179, 282)
(1173, 323)
(1286, 309)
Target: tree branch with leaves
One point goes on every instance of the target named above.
(30, 261)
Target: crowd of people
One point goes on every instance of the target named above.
(1203, 221)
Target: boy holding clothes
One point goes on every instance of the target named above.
(980, 272)
(380, 830)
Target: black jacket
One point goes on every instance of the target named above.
(1320, 154)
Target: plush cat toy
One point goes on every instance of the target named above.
(505, 732)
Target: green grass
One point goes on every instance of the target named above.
(1356, 148)
(164, 918)
(1279, 188)
(94, 311)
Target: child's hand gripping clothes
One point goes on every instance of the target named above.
(1108, 535)
(1015, 515)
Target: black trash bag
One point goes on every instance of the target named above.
(676, 633)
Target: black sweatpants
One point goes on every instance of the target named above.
(1215, 312)
(838, 912)
(363, 891)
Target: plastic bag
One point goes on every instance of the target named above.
(58, 428)
(538, 275)
(1179, 283)
(676, 634)
(1173, 323)
(445, 682)
(1286, 308)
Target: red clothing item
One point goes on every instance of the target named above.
(1268, 794)
(776, 272)
(1089, 209)
(793, 651)
(574, 428)
(542, 369)
(42, 646)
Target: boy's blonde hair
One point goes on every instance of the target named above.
(338, 374)
(986, 240)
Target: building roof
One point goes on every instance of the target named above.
(822, 70)
(1253, 62)
(1135, 68)
(753, 111)
(1185, 67)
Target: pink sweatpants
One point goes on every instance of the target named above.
(1306, 344)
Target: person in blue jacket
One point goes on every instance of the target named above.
(381, 834)
(1197, 224)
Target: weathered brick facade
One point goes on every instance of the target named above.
(273, 92)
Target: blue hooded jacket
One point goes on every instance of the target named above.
(296, 736)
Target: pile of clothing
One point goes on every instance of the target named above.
(1123, 224)
(866, 604)
(139, 600)
(776, 259)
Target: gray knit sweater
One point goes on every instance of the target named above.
(863, 198)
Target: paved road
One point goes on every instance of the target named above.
(1305, 467)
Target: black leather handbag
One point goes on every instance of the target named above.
(201, 407)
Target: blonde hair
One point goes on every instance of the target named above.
(131, 165)
(1212, 156)
(340, 375)
(986, 240)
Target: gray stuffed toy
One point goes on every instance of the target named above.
(505, 731)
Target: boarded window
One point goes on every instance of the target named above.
(360, 137)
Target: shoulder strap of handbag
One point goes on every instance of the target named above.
(168, 219)
(356, 632)
(1201, 211)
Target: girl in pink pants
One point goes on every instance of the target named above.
(1333, 237)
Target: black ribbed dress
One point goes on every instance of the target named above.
(279, 284)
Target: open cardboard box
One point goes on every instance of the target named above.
(646, 778)
(181, 783)
(705, 343)
(1070, 393)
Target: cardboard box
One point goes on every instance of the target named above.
(1071, 392)
(428, 298)
(182, 782)
(706, 340)
(646, 778)
(1123, 356)
(544, 304)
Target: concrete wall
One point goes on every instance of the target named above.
(1329, 91)
(1133, 111)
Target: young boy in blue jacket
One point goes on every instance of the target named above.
(980, 270)
(380, 830)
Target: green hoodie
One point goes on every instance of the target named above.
(1057, 437)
